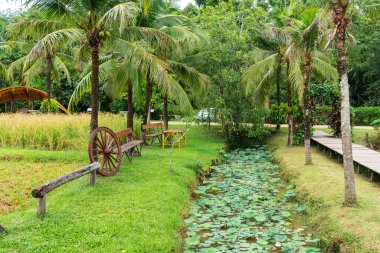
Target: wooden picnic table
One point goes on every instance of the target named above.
(173, 136)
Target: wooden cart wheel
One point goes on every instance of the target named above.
(104, 147)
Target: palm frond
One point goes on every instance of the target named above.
(373, 11)
(84, 86)
(28, 27)
(16, 67)
(124, 14)
(192, 78)
(324, 69)
(258, 77)
(141, 60)
(187, 39)
(170, 20)
(60, 66)
(176, 92)
(3, 71)
(156, 38)
(51, 42)
(34, 71)
(295, 77)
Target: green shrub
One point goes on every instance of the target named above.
(279, 114)
(322, 115)
(361, 116)
(49, 106)
(299, 137)
(248, 136)
(376, 124)
(364, 116)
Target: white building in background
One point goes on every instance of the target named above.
(181, 4)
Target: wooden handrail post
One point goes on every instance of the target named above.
(41, 206)
(92, 177)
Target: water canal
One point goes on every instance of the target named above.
(244, 206)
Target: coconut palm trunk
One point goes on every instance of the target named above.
(94, 83)
(290, 105)
(341, 22)
(278, 93)
(48, 78)
(130, 105)
(166, 114)
(148, 97)
(306, 108)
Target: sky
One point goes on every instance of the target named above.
(4, 4)
(184, 3)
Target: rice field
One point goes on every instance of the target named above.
(53, 131)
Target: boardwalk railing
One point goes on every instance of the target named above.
(367, 161)
(41, 192)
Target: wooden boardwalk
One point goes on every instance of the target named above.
(367, 161)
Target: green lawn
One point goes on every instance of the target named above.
(322, 185)
(140, 209)
(23, 170)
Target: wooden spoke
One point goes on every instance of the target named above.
(100, 143)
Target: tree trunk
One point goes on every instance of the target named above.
(166, 114)
(148, 97)
(290, 105)
(341, 21)
(278, 93)
(130, 105)
(94, 86)
(306, 109)
(48, 78)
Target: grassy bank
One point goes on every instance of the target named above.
(350, 229)
(139, 209)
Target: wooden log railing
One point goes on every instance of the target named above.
(40, 193)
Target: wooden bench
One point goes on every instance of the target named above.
(129, 146)
(153, 131)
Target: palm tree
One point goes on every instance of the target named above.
(43, 58)
(342, 15)
(88, 22)
(157, 15)
(306, 40)
(301, 38)
(275, 33)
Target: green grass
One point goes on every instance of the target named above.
(322, 186)
(140, 209)
(23, 170)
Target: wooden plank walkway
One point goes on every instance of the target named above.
(367, 161)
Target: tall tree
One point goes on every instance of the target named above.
(88, 22)
(306, 39)
(343, 11)
(43, 58)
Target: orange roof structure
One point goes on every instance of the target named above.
(24, 93)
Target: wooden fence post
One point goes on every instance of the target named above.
(41, 206)
(92, 178)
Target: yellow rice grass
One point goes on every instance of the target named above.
(52, 131)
